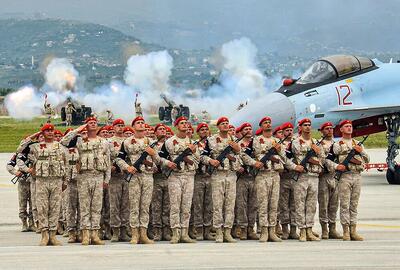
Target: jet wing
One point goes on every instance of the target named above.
(376, 109)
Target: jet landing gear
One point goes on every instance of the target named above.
(392, 133)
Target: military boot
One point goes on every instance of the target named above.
(315, 233)
(293, 234)
(79, 236)
(264, 234)
(107, 232)
(219, 237)
(115, 235)
(85, 237)
(157, 234)
(346, 233)
(192, 232)
(66, 234)
(310, 235)
(71, 236)
(303, 235)
(243, 233)
(135, 236)
(333, 234)
(228, 236)
(143, 239)
(199, 233)
(325, 233)
(166, 233)
(24, 225)
(236, 231)
(53, 240)
(185, 238)
(31, 225)
(45, 238)
(124, 237)
(60, 228)
(285, 231)
(251, 234)
(278, 229)
(175, 236)
(354, 236)
(208, 235)
(272, 235)
(95, 240)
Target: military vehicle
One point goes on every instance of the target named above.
(164, 113)
(80, 114)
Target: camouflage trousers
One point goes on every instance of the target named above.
(90, 192)
(267, 185)
(287, 211)
(349, 195)
(105, 208)
(328, 198)
(64, 206)
(246, 202)
(305, 200)
(223, 196)
(48, 199)
(33, 198)
(24, 199)
(73, 213)
(202, 201)
(140, 195)
(160, 208)
(180, 189)
(119, 202)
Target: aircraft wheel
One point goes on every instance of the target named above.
(393, 177)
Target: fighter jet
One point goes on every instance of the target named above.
(334, 88)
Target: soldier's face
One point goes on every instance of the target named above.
(247, 131)
(203, 132)
(150, 133)
(347, 129)
(58, 137)
(118, 128)
(139, 126)
(189, 132)
(232, 131)
(128, 134)
(41, 138)
(327, 132)
(306, 128)
(111, 133)
(48, 134)
(266, 125)
(161, 131)
(224, 126)
(279, 134)
(103, 133)
(84, 134)
(183, 126)
(91, 125)
(288, 132)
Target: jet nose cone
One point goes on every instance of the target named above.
(275, 105)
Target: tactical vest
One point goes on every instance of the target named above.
(217, 147)
(134, 149)
(177, 147)
(72, 160)
(299, 156)
(344, 150)
(266, 145)
(93, 156)
(49, 160)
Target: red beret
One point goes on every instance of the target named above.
(158, 125)
(231, 126)
(201, 125)
(169, 130)
(191, 128)
(244, 125)
(344, 122)
(147, 126)
(287, 125)
(90, 118)
(67, 131)
(304, 120)
(279, 128)
(222, 119)
(326, 124)
(102, 128)
(58, 132)
(179, 119)
(109, 128)
(266, 118)
(118, 121)
(137, 119)
(259, 132)
(128, 128)
(47, 127)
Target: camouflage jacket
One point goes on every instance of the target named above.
(48, 159)
(174, 146)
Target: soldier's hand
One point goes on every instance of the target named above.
(341, 167)
(299, 168)
(358, 148)
(113, 169)
(150, 151)
(82, 127)
(31, 171)
(278, 147)
(241, 170)
(131, 170)
(234, 146)
(171, 165)
(214, 162)
(316, 149)
(192, 147)
(34, 135)
(258, 165)
(18, 173)
(105, 185)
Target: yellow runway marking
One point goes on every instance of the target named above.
(380, 226)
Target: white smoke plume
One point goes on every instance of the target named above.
(25, 103)
(61, 75)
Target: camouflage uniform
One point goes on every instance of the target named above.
(94, 169)
(68, 114)
(49, 166)
(350, 182)
(119, 192)
(306, 188)
(223, 182)
(71, 173)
